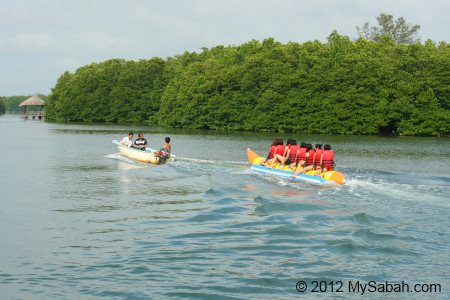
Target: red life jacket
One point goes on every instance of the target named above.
(328, 159)
(272, 151)
(318, 156)
(280, 149)
(301, 154)
(311, 157)
(293, 152)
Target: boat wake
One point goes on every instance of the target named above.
(397, 189)
(126, 163)
(209, 161)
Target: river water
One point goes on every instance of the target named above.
(78, 221)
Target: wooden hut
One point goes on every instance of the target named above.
(33, 108)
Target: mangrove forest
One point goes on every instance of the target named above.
(341, 86)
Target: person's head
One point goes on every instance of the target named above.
(274, 142)
(326, 147)
(308, 147)
(130, 135)
(302, 145)
(280, 141)
(318, 146)
(167, 139)
(141, 136)
(288, 142)
(293, 142)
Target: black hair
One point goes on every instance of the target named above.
(288, 142)
(280, 141)
(308, 147)
(318, 146)
(302, 145)
(130, 133)
(167, 139)
(327, 147)
(293, 142)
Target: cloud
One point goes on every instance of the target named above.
(96, 42)
(64, 35)
(30, 43)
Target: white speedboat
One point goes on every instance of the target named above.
(148, 156)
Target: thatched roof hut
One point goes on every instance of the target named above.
(33, 108)
(33, 101)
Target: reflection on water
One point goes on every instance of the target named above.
(78, 221)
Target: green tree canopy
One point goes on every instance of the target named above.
(112, 91)
(2, 106)
(338, 87)
(400, 31)
(12, 102)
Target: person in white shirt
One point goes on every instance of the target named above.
(128, 140)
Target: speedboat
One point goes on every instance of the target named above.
(149, 156)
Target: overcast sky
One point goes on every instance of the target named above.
(40, 39)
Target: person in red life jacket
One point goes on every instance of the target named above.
(301, 156)
(282, 158)
(326, 161)
(292, 155)
(317, 156)
(307, 164)
(271, 153)
(279, 151)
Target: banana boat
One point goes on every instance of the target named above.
(333, 177)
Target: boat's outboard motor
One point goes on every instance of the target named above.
(163, 155)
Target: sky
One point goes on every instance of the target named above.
(41, 39)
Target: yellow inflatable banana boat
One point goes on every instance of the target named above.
(323, 178)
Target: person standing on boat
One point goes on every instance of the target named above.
(140, 143)
(128, 140)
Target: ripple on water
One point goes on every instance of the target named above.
(90, 226)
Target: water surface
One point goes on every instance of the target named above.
(77, 221)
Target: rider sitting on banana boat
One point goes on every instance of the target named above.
(279, 152)
(301, 158)
(326, 161)
(282, 158)
(307, 164)
(270, 156)
(322, 161)
(293, 154)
